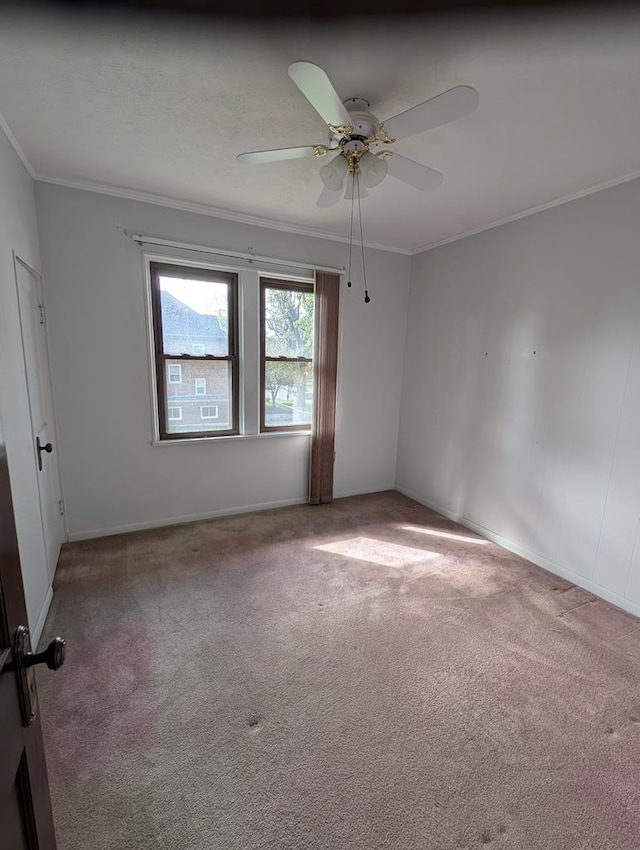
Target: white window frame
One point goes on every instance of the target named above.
(216, 415)
(171, 409)
(197, 348)
(177, 366)
(200, 386)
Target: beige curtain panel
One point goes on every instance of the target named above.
(325, 371)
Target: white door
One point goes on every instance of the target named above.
(45, 445)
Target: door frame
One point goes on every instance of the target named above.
(19, 261)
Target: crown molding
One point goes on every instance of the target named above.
(291, 227)
(14, 144)
(205, 209)
(557, 202)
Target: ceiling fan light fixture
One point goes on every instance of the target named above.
(333, 173)
(373, 168)
(352, 128)
(355, 188)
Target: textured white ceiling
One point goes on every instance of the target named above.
(164, 110)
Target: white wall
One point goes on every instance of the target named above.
(114, 479)
(521, 394)
(19, 233)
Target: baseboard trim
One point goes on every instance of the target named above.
(535, 558)
(346, 494)
(76, 536)
(36, 631)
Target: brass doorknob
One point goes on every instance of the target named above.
(52, 656)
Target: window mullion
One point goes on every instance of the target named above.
(249, 364)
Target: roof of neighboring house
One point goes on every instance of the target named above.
(182, 322)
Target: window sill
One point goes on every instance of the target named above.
(231, 438)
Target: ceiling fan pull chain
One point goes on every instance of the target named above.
(350, 241)
(364, 268)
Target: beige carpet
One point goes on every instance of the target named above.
(362, 675)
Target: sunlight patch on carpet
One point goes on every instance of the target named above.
(378, 552)
(421, 530)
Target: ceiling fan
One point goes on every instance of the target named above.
(361, 142)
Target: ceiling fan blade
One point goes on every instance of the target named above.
(277, 155)
(445, 107)
(328, 198)
(319, 91)
(413, 173)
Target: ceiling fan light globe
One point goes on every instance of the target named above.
(353, 187)
(374, 170)
(333, 173)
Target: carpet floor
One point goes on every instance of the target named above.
(361, 675)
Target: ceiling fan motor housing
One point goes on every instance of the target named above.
(364, 123)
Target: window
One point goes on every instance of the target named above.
(194, 302)
(209, 412)
(286, 352)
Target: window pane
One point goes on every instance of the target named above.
(215, 377)
(289, 394)
(288, 323)
(195, 316)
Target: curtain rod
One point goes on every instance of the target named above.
(237, 255)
